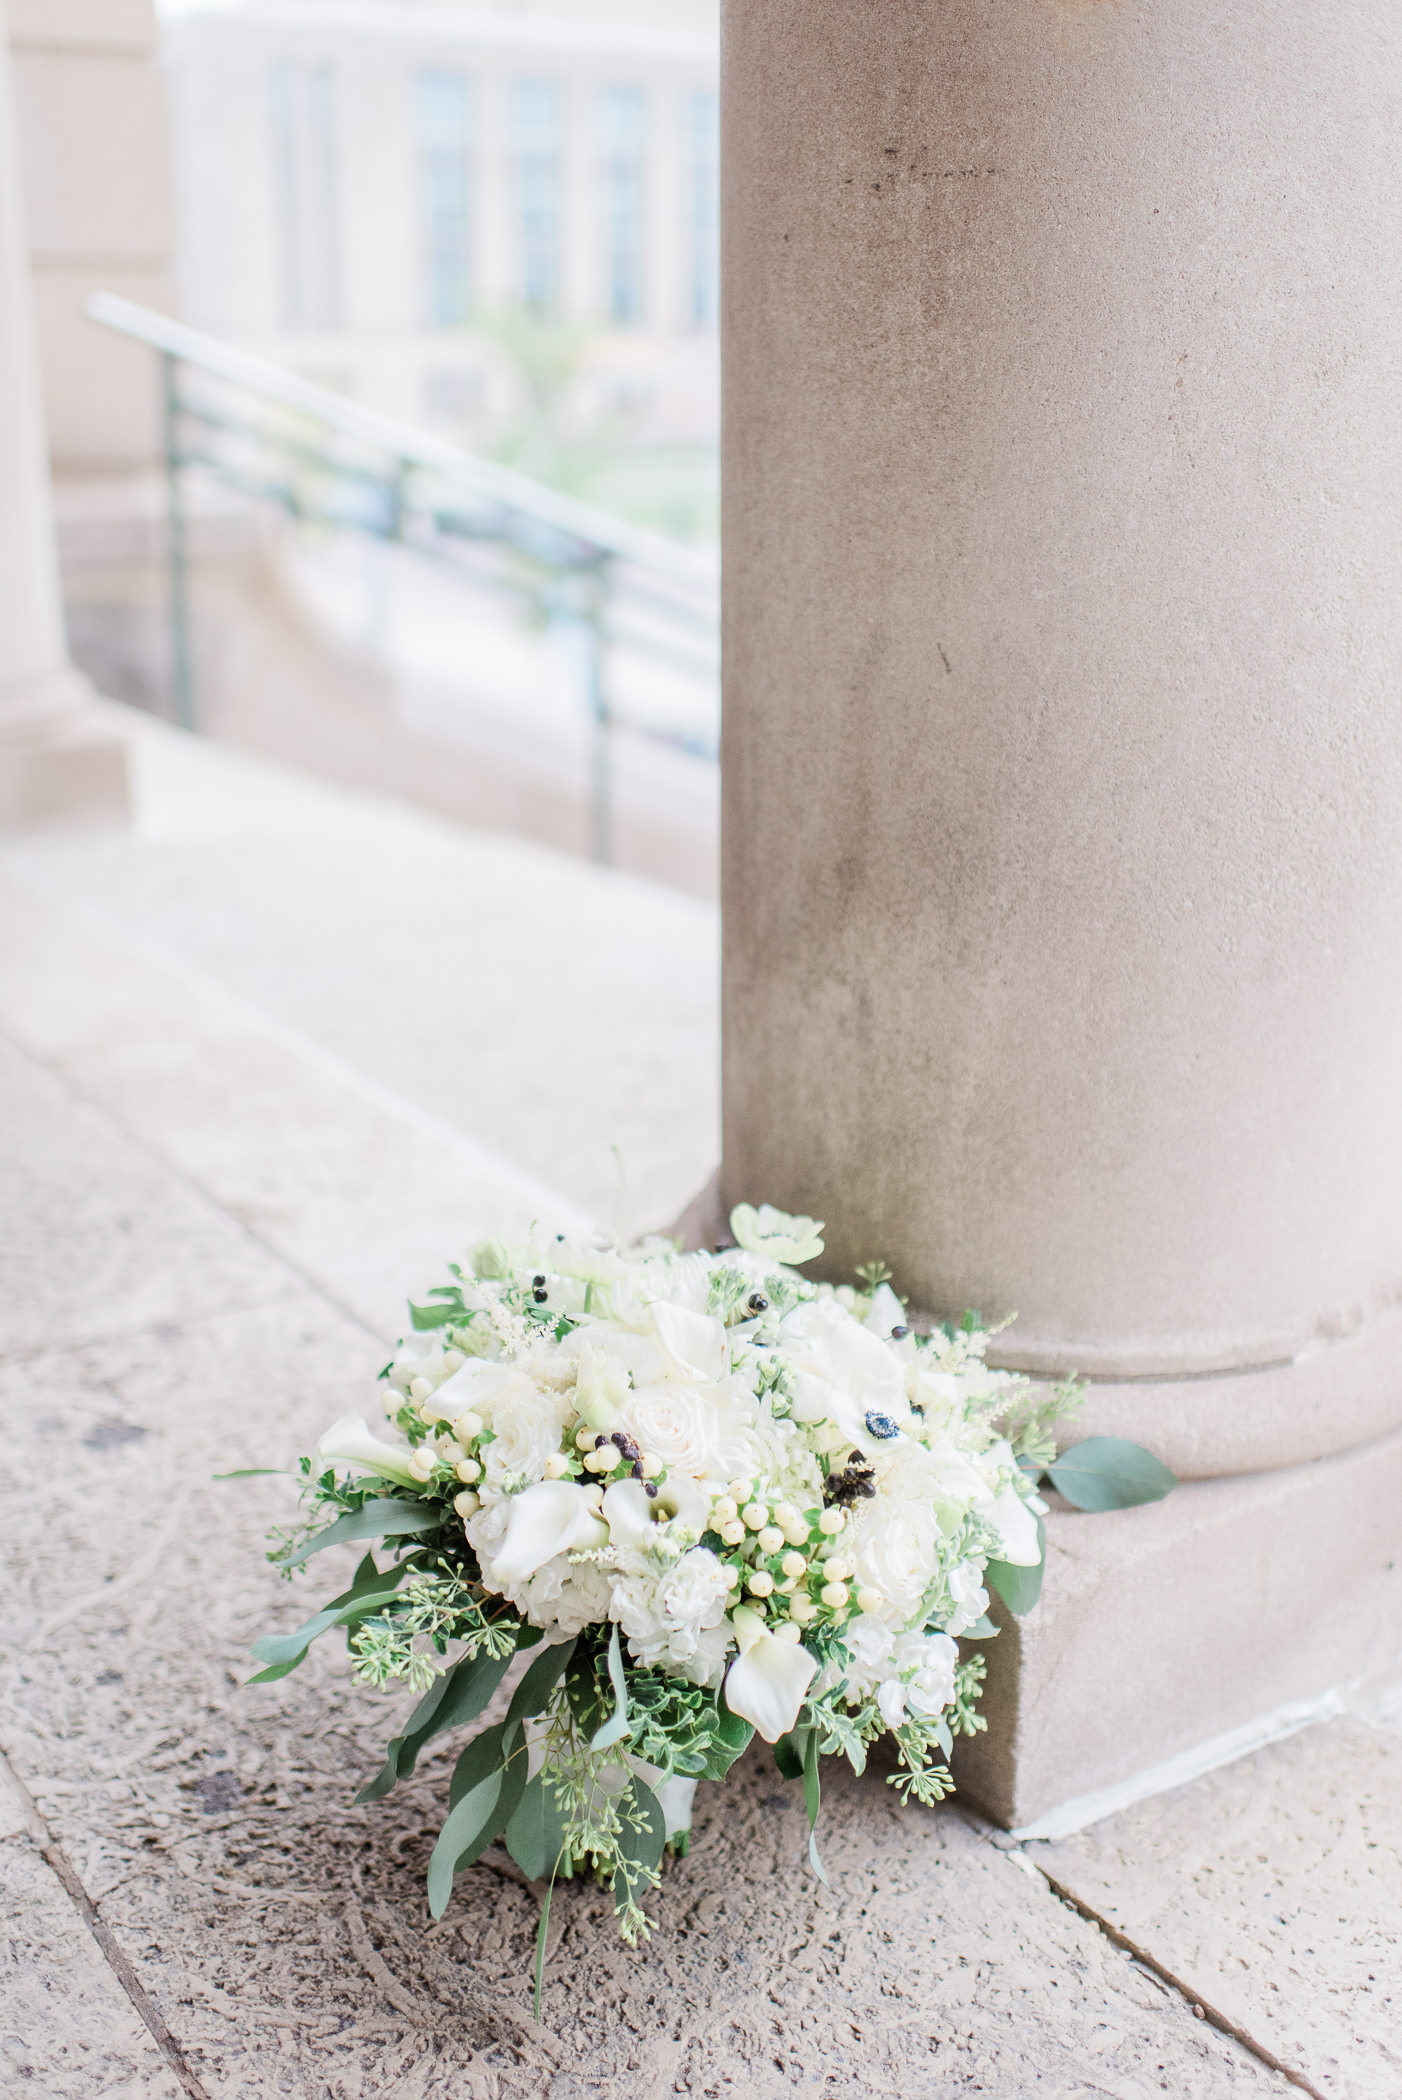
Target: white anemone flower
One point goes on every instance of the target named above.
(775, 1234)
(552, 1517)
(352, 1441)
(769, 1679)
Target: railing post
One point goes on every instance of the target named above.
(601, 786)
(182, 681)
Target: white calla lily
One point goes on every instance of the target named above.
(355, 1443)
(774, 1234)
(1017, 1528)
(632, 1513)
(552, 1517)
(694, 1341)
(769, 1679)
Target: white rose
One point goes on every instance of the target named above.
(894, 1547)
(691, 1427)
(527, 1422)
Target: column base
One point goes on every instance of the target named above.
(1162, 1628)
(59, 766)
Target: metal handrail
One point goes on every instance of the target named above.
(470, 499)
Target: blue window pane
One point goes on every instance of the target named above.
(534, 111)
(702, 191)
(623, 169)
(443, 119)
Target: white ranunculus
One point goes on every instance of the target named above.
(526, 1420)
(353, 1442)
(554, 1516)
(775, 1234)
(894, 1547)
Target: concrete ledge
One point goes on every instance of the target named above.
(1161, 1629)
(77, 777)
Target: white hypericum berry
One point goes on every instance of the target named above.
(793, 1564)
(556, 1466)
(468, 1427)
(795, 1533)
(723, 1510)
(834, 1595)
(760, 1583)
(786, 1515)
(870, 1600)
(733, 1533)
(770, 1539)
(740, 1491)
(467, 1504)
(832, 1521)
(733, 1575)
(838, 1568)
(803, 1609)
(788, 1631)
(755, 1515)
(649, 1465)
(606, 1457)
(419, 1389)
(423, 1462)
(594, 1461)
(468, 1469)
(586, 1438)
(453, 1359)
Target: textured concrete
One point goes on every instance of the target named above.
(280, 1933)
(1063, 514)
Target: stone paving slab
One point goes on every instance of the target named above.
(1273, 1889)
(356, 1191)
(551, 1009)
(282, 1933)
(67, 2029)
(94, 1238)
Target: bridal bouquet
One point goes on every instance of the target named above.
(711, 1499)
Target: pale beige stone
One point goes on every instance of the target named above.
(1062, 638)
(1162, 1627)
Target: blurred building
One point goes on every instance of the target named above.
(368, 189)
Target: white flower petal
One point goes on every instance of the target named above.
(695, 1341)
(1017, 1527)
(767, 1683)
(549, 1518)
(352, 1441)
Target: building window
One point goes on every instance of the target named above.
(702, 194)
(306, 229)
(623, 156)
(534, 113)
(443, 122)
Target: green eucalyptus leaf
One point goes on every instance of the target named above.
(425, 1317)
(539, 1682)
(788, 1753)
(813, 1801)
(469, 1829)
(535, 1836)
(1018, 1587)
(615, 1730)
(388, 1516)
(372, 1588)
(1109, 1472)
(486, 1753)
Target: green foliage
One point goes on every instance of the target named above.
(871, 1275)
(1030, 1419)
(963, 1715)
(386, 1516)
(1108, 1472)
(1018, 1587)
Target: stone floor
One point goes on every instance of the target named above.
(265, 1063)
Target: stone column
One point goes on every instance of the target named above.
(1063, 775)
(57, 763)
